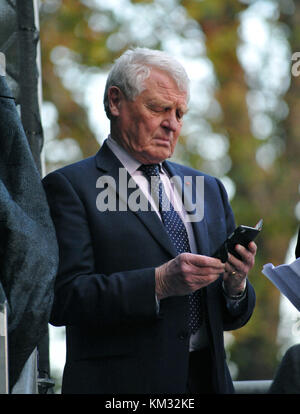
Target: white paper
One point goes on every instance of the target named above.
(286, 278)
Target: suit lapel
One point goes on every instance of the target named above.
(110, 165)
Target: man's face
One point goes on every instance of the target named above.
(149, 127)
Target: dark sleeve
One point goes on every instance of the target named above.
(239, 314)
(83, 296)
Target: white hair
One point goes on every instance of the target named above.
(132, 68)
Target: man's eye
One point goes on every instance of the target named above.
(179, 114)
(155, 108)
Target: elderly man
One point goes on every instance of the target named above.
(144, 303)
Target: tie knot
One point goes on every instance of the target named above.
(150, 170)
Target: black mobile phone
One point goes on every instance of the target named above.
(241, 235)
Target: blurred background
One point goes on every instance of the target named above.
(243, 59)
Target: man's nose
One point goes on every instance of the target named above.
(170, 122)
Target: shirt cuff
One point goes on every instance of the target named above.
(157, 304)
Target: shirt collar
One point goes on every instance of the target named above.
(129, 162)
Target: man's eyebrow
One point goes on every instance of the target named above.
(158, 102)
(184, 110)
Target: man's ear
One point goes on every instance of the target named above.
(115, 97)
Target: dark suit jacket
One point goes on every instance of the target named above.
(105, 289)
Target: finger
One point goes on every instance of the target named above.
(230, 268)
(245, 254)
(235, 272)
(208, 262)
(234, 261)
(206, 272)
(199, 281)
(234, 265)
(252, 247)
(203, 268)
(244, 265)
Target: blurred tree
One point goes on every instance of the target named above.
(68, 25)
(220, 137)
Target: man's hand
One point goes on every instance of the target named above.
(237, 270)
(185, 274)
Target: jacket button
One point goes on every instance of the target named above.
(182, 335)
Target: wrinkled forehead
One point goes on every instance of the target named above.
(162, 77)
(161, 86)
